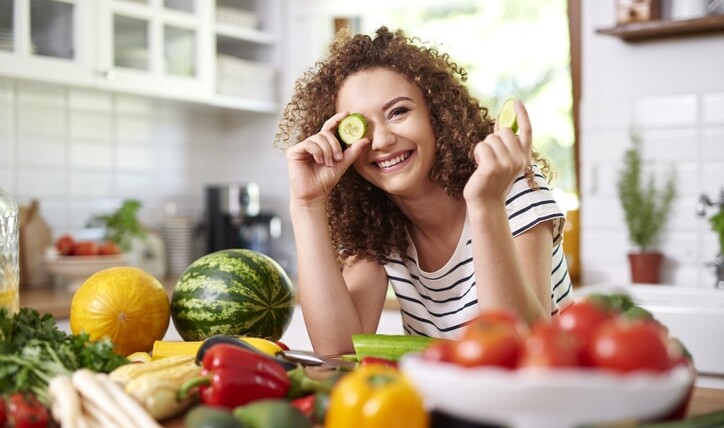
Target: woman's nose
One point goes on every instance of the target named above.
(382, 136)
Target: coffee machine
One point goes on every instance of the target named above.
(234, 219)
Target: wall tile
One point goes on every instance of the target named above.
(134, 158)
(30, 116)
(7, 92)
(713, 108)
(7, 118)
(41, 151)
(7, 149)
(91, 155)
(668, 110)
(7, 179)
(41, 183)
(134, 129)
(126, 104)
(131, 185)
(40, 94)
(87, 184)
(90, 125)
(712, 145)
(661, 145)
(89, 100)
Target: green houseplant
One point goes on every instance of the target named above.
(646, 209)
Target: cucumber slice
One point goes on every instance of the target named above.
(352, 128)
(507, 117)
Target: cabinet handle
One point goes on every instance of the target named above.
(109, 74)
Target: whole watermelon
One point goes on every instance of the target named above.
(236, 292)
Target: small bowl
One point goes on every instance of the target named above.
(560, 398)
(77, 269)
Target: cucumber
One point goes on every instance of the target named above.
(352, 128)
(388, 346)
(507, 117)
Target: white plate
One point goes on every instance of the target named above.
(78, 268)
(552, 398)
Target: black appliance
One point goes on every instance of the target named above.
(234, 219)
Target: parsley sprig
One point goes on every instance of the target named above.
(33, 350)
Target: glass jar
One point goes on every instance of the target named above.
(9, 250)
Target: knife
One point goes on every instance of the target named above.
(308, 358)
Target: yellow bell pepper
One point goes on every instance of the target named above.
(165, 348)
(375, 396)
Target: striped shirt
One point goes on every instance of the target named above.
(440, 303)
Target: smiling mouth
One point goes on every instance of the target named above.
(389, 163)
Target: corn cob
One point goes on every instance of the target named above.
(157, 391)
(126, 373)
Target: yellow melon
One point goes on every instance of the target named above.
(125, 304)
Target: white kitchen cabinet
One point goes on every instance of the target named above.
(223, 53)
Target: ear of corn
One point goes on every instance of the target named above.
(155, 384)
(158, 391)
(127, 372)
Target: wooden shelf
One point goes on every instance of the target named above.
(651, 30)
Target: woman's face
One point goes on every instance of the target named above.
(402, 152)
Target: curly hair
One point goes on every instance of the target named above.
(362, 219)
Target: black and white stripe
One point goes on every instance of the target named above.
(440, 303)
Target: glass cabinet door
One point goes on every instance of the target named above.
(153, 45)
(51, 29)
(7, 27)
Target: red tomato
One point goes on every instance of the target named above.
(64, 245)
(582, 319)
(625, 346)
(493, 338)
(438, 350)
(26, 411)
(3, 413)
(85, 248)
(108, 249)
(548, 345)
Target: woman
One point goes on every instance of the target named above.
(434, 199)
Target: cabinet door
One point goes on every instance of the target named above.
(155, 47)
(46, 40)
(246, 42)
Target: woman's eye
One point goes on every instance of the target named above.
(397, 111)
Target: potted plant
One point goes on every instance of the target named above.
(646, 209)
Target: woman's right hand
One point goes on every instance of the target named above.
(317, 163)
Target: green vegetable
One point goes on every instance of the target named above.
(270, 413)
(235, 292)
(391, 347)
(507, 117)
(33, 350)
(210, 417)
(352, 128)
(709, 420)
(122, 225)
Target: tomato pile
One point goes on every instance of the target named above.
(597, 331)
(67, 246)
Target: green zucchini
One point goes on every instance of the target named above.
(388, 346)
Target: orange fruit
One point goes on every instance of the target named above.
(125, 304)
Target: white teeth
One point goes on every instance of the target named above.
(394, 161)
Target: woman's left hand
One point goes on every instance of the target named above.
(501, 158)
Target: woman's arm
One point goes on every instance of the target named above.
(513, 273)
(335, 305)
(508, 273)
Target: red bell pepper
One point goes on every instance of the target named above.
(25, 411)
(234, 376)
(3, 413)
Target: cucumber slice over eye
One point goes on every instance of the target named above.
(352, 128)
(507, 117)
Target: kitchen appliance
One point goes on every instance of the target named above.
(234, 219)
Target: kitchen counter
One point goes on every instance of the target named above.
(56, 300)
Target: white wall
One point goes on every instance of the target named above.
(672, 90)
(80, 152)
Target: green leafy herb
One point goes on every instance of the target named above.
(33, 350)
(717, 224)
(645, 206)
(122, 225)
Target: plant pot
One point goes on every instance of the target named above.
(645, 267)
